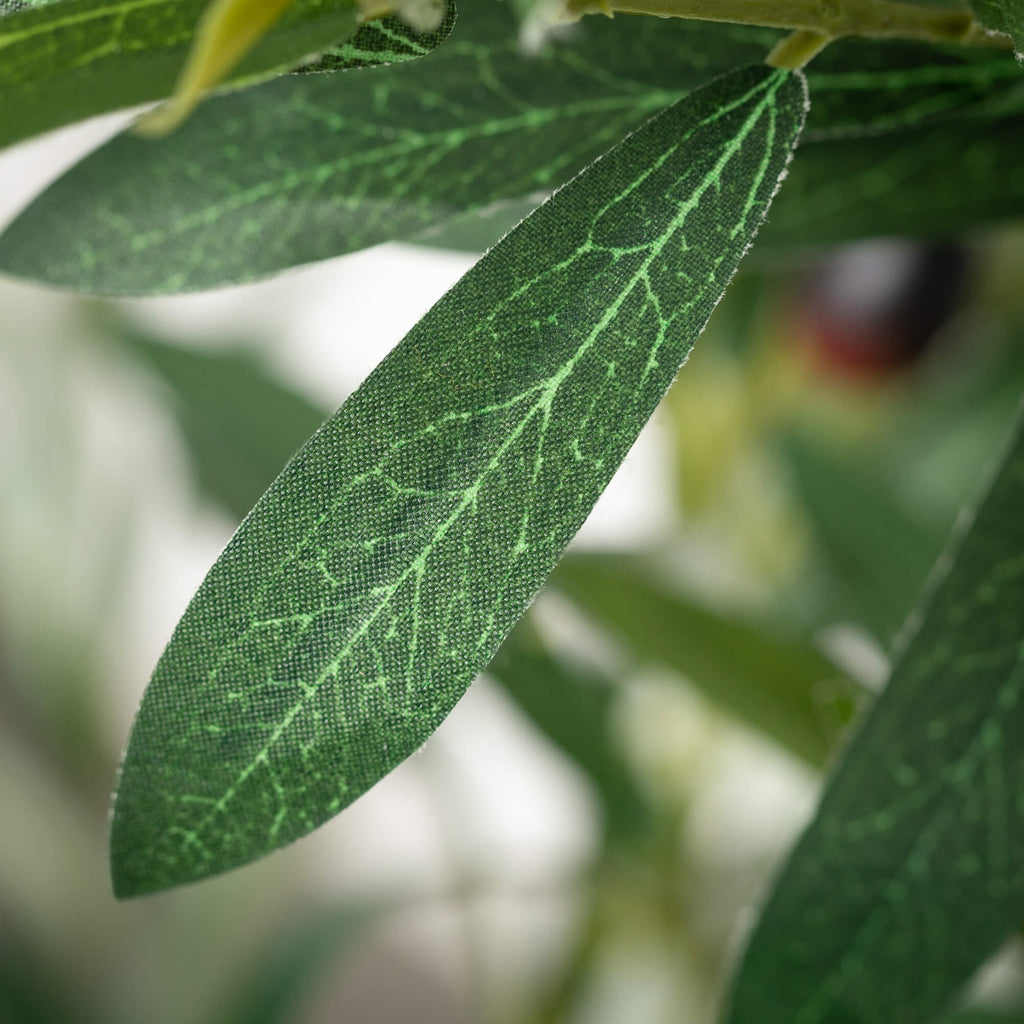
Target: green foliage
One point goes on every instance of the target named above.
(344, 620)
(780, 686)
(70, 60)
(302, 169)
(396, 551)
(878, 552)
(571, 704)
(911, 872)
(1003, 16)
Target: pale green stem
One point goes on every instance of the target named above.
(796, 49)
(827, 18)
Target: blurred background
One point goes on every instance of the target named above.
(587, 837)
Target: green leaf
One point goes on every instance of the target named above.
(1005, 16)
(307, 167)
(783, 688)
(70, 60)
(912, 871)
(241, 425)
(982, 1017)
(382, 569)
(571, 705)
(387, 40)
(282, 978)
(878, 553)
(862, 188)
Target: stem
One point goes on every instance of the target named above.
(796, 49)
(829, 18)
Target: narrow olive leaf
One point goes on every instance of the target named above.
(572, 705)
(983, 1017)
(70, 60)
(306, 167)
(382, 569)
(241, 425)
(880, 556)
(389, 40)
(294, 962)
(871, 187)
(781, 687)
(912, 871)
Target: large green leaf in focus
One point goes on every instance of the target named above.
(912, 871)
(777, 685)
(66, 61)
(241, 425)
(382, 569)
(308, 167)
(388, 40)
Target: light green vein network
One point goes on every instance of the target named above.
(383, 568)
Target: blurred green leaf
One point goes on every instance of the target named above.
(571, 705)
(240, 423)
(912, 871)
(70, 60)
(877, 552)
(982, 1017)
(862, 188)
(478, 231)
(382, 569)
(781, 687)
(284, 976)
(387, 40)
(305, 168)
(27, 991)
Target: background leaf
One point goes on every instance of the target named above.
(241, 425)
(293, 961)
(571, 705)
(67, 61)
(384, 566)
(861, 188)
(876, 549)
(306, 168)
(911, 873)
(781, 687)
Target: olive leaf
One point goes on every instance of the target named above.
(65, 61)
(307, 167)
(912, 871)
(380, 572)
